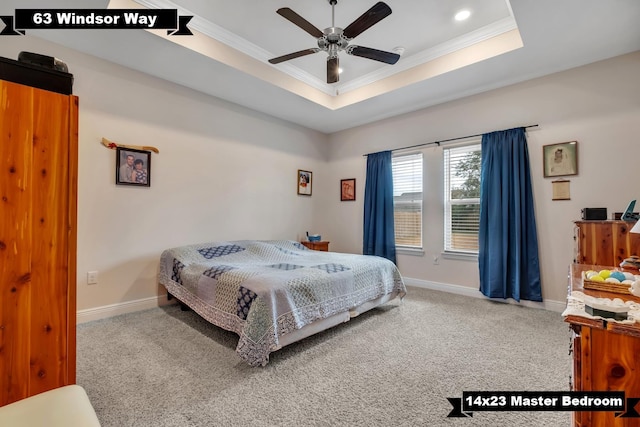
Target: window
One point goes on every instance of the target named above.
(407, 200)
(462, 198)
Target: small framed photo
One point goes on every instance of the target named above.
(305, 181)
(348, 190)
(560, 159)
(133, 167)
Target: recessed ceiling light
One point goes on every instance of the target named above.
(462, 15)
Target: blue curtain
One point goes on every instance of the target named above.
(508, 241)
(379, 235)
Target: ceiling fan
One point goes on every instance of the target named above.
(335, 39)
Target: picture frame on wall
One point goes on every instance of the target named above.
(560, 159)
(133, 167)
(305, 182)
(348, 190)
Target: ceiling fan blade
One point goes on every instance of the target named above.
(293, 55)
(333, 70)
(375, 54)
(300, 21)
(377, 13)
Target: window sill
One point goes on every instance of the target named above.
(461, 256)
(410, 251)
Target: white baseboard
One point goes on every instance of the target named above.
(111, 310)
(550, 305)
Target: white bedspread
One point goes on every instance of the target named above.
(263, 290)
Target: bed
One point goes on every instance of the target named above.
(273, 293)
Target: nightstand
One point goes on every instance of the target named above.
(317, 246)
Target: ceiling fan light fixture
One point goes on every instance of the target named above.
(335, 39)
(462, 15)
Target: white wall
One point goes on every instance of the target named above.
(226, 172)
(597, 105)
(223, 172)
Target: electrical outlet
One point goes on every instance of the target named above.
(92, 278)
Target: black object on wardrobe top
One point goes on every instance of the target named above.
(36, 76)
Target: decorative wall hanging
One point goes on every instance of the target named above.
(348, 190)
(133, 167)
(113, 145)
(561, 189)
(560, 159)
(304, 182)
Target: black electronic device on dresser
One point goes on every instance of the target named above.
(589, 214)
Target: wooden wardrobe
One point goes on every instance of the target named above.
(38, 200)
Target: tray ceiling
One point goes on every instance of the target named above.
(501, 43)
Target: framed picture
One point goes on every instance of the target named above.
(560, 159)
(305, 181)
(348, 190)
(133, 167)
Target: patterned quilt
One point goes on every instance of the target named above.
(263, 290)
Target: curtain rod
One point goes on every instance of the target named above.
(444, 140)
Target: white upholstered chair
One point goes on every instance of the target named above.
(67, 406)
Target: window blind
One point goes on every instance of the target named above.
(462, 198)
(407, 199)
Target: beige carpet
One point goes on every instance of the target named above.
(393, 366)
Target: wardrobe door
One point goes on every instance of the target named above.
(38, 175)
(16, 235)
(50, 270)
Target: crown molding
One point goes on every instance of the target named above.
(240, 44)
(488, 31)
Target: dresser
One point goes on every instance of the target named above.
(38, 192)
(605, 242)
(606, 355)
(316, 246)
